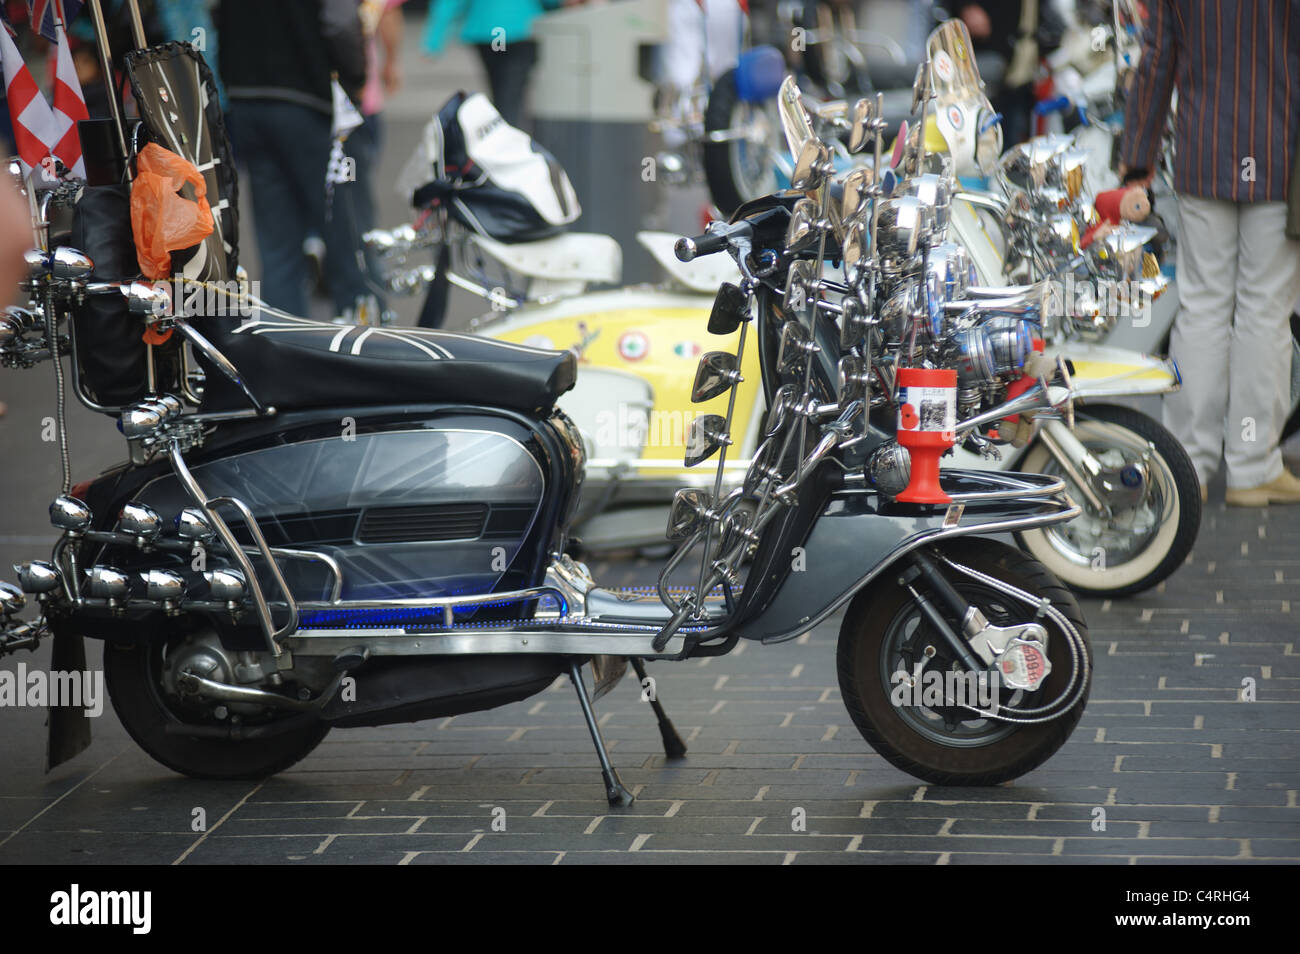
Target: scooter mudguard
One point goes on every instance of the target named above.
(861, 534)
(1101, 371)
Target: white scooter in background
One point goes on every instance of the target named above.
(1140, 493)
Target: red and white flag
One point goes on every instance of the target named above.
(33, 121)
(69, 106)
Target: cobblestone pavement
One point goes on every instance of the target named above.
(1184, 770)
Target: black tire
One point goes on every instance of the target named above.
(1174, 539)
(132, 676)
(1293, 422)
(721, 159)
(864, 674)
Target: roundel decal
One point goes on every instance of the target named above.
(633, 346)
(956, 117)
(943, 66)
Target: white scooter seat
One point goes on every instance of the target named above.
(569, 256)
(702, 275)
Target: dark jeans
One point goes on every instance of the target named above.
(352, 215)
(507, 72)
(285, 148)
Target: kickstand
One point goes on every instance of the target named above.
(617, 794)
(674, 747)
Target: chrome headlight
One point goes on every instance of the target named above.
(900, 227)
(1012, 342)
(935, 192)
(951, 262)
(1120, 255)
(1058, 237)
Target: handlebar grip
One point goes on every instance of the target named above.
(689, 249)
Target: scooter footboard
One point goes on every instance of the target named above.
(862, 533)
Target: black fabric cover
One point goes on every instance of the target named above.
(110, 351)
(304, 364)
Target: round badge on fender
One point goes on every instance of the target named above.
(633, 346)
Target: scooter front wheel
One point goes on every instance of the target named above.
(886, 638)
(1142, 540)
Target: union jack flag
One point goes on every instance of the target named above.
(44, 14)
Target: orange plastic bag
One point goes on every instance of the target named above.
(164, 221)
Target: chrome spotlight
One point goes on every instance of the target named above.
(141, 420)
(108, 583)
(11, 599)
(38, 576)
(227, 585)
(889, 468)
(192, 524)
(70, 514)
(140, 521)
(165, 586)
(69, 264)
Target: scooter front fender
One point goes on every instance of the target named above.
(861, 535)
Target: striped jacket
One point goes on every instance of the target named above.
(1236, 66)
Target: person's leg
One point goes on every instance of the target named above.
(1268, 280)
(1207, 275)
(508, 72)
(279, 143)
(351, 216)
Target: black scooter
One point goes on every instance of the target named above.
(367, 526)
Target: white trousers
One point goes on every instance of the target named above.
(1238, 278)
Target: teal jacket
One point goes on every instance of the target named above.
(478, 19)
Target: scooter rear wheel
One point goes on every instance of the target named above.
(133, 676)
(883, 633)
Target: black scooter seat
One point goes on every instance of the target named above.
(293, 363)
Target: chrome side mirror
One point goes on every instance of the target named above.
(794, 118)
(853, 322)
(717, 372)
(707, 433)
(862, 126)
(854, 245)
(853, 382)
(812, 166)
(857, 190)
(805, 226)
(800, 286)
(689, 511)
(796, 345)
